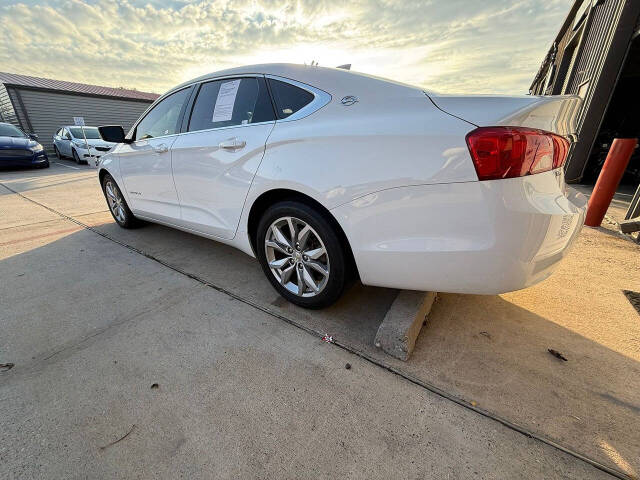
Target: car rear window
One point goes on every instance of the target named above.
(231, 102)
(288, 98)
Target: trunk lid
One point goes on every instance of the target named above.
(557, 114)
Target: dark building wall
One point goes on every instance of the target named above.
(586, 60)
(44, 112)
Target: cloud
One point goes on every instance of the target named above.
(454, 45)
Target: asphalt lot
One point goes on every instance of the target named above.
(246, 388)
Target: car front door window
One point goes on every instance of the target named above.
(163, 119)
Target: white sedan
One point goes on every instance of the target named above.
(326, 175)
(82, 144)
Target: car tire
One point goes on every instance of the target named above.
(117, 203)
(76, 158)
(307, 266)
(57, 152)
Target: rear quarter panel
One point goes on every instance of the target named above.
(340, 153)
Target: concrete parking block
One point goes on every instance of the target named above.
(401, 326)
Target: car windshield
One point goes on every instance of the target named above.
(90, 132)
(7, 130)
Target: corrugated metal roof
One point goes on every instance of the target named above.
(49, 84)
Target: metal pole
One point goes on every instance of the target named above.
(609, 178)
(86, 143)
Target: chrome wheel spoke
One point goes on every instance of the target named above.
(279, 263)
(292, 231)
(318, 267)
(110, 191)
(277, 246)
(308, 279)
(316, 253)
(280, 238)
(300, 282)
(303, 235)
(285, 274)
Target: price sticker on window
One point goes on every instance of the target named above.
(223, 110)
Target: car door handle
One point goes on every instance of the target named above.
(162, 148)
(232, 144)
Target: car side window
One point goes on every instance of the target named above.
(163, 118)
(288, 98)
(231, 102)
(67, 135)
(59, 132)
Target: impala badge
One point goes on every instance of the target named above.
(348, 100)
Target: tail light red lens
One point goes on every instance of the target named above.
(507, 152)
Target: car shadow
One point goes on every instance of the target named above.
(485, 350)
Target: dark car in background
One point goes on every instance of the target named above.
(17, 149)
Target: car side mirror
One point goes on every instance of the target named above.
(113, 133)
(33, 136)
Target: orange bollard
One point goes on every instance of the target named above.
(609, 178)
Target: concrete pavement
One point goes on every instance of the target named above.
(241, 393)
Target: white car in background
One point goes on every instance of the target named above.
(70, 142)
(323, 173)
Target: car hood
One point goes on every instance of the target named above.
(16, 142)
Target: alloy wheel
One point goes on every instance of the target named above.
(116, 202)
(297, 256)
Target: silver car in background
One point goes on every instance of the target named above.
(70, 142)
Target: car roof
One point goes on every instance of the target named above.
(324, 78)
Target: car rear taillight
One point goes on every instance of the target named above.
(507, 152)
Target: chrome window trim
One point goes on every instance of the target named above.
(321, 98)
(135, 142)
(215, 129)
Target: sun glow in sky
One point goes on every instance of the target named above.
(489, 46)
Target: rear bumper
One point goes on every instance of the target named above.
(475, 237)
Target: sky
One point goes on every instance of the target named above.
(450, 46)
